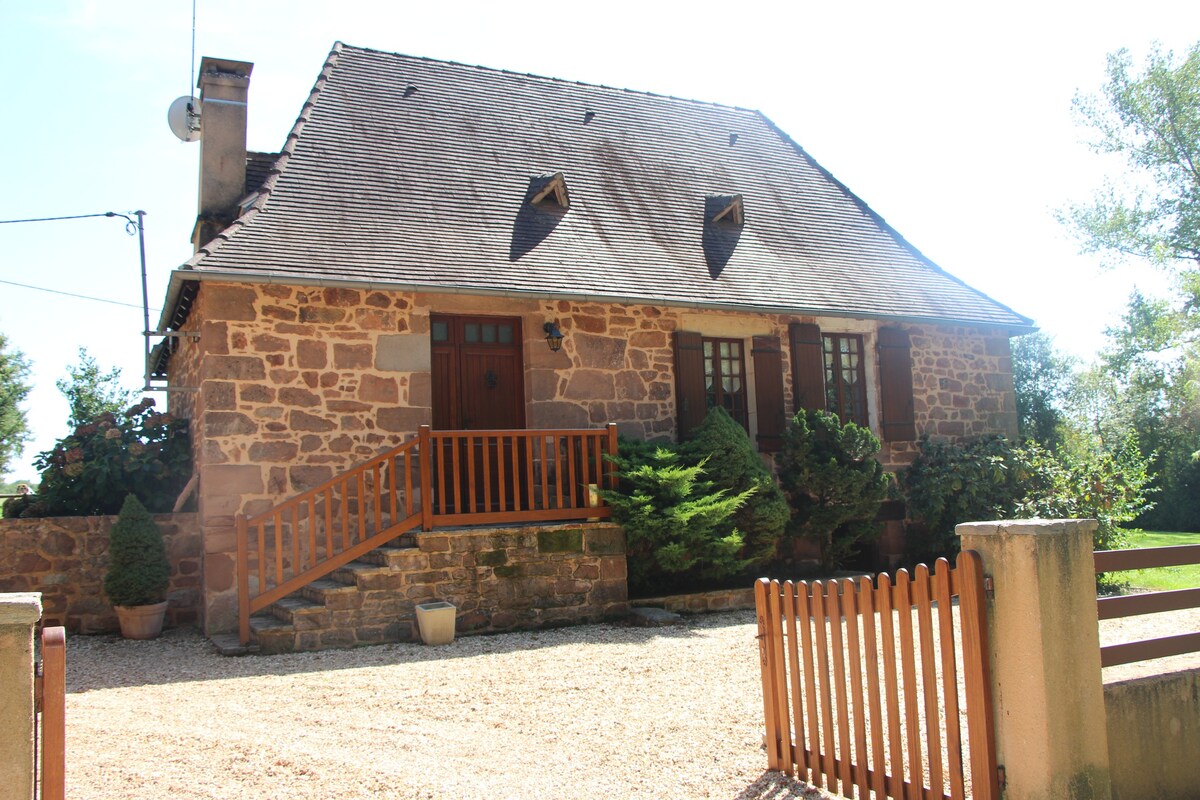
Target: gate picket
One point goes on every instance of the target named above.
(849, 720)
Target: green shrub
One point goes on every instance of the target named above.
(138, 570)
(834, 483)
(732, 464)
(992, 478)
(949, 483)
(677, 526)
(138, 452)
(15, 506)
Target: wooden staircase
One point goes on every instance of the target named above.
(327, 567)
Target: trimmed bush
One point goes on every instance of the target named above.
(834, 483)
(732, 464)
(677, 525)
(138, 570)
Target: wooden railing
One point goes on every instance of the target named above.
(50, 697)
(438, 479)
(1147, 603)
(851, 683)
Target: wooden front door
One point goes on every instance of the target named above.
(478, 376)
(478, 384)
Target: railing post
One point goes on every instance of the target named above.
(426, 487)
(54, 713)
(610, 470)
(1048, 695)
(19, 614)
(243, 578)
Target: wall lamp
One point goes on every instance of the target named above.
(554, 336)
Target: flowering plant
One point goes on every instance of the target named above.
(138, 451)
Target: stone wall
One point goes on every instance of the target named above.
(296, 384)
(498, 579)
(701, 602)
(65, 559)
(1154, 736)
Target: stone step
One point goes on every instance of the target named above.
(319, 591)
(354, 571)
(404, 558)
(227, 644)
(272, 635)
(300, 612)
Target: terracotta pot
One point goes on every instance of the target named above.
(141, 622)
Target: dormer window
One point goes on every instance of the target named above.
(728, 208)
(551, 190)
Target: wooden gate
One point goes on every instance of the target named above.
(855, 693)
(50, 689)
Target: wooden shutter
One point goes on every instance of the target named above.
(808, 367)
(895, 376)
(689, 382)
(768, 392)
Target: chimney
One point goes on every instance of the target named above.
(224, 87)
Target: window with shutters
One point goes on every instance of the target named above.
(845, 377)
(725, 377)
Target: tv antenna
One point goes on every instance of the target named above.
(183, 115)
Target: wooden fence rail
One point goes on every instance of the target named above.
(1149, 603)
(437, 479)
(50, 689)
(858, 694)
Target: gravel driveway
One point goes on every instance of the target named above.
(598, 711)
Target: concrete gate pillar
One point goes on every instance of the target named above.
(19, 614)
(1048, 695)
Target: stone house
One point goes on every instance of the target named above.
(468, 248)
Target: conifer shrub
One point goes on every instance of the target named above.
(138, 570)
(677, 524)
(834, 483)
(731, 463)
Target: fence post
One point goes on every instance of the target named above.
(1047, 693)
(19, 615)
(426, 456)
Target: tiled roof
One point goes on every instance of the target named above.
(258, 169)
(411, 171)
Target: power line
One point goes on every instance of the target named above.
(72, 294)
(56, 219)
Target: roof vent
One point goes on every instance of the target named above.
(588, 116)
(732, 139)
(550, 189)
(410, 90)
(727, 207)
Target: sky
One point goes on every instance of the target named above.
(953, 121)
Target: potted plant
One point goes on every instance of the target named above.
(138, 572)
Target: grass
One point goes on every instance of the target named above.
(1162, 578)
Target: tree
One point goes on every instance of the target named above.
(677, 525)
(1152, 119)
(14, 426)
(1147, 380)
(1043, 378)
(731, 463)
(91, 392)
(834, 483)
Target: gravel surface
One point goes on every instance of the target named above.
(593, 711)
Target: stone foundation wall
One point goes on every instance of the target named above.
(65, 558)
(498, 579)
(701, 602)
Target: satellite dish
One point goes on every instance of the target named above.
(184, 118)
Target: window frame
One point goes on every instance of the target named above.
(836, 393)
(742, 414)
